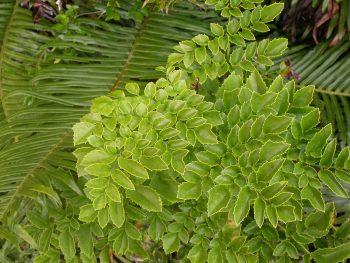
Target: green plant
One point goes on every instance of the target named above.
(237, 178)
(164, 174)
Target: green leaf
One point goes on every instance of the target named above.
(67, 245)
(45, 239)
(201, 40)
(154, 163)
(141, 110)
(270, 233)
(122, 179)
(213, 117)
(113, 193)
(99, 169)
(276, 47)
(247, 34)
(330, 180)
(256, 83)
(97, 157)
(314, 196)
(236, 56)
(276, 124)
(132, 231)
(100, 202)
(116, 213)
(260, 27)
(146, 197)
(247, 65)
(87, 213)
(286, 247)
(22, 233)
(281, 103)
(171, 243)
(244, 131)
(177, 161)
(102, 105)
(272, 190)
(189, 191)
(121, 243)
(205, 135)
(187, 45)
(342, 175)
(342, 157)
(8, 235)
(37, 220)
(216, 29)
(328, 153)
(310, 120)
(259, 211)
(257, 127)
(271, 213)
(132, 167)
(237, 40)
(82, 131)
(269, 12)
(213, 45)
(156, 228)
(103, 217)
(286, 213)
(133, 88)
(166, 186)
(104, 255)
(233, 27)
(207, 158)
(233, 116)
(318, 141)
(242, 205)
(215, 255)
(200, 55)
(261, 102)
(219, 197)
(85, 239)
(150, 90)
(271, 149)
(317, 224)
(303, 97)
(335, 254)
(188, 59)
(269, 169)
(197, 254)
(250, 50)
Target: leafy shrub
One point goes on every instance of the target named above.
(233, 178)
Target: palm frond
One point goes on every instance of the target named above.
(47, 83)
(328, 69)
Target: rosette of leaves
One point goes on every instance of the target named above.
(238, 179)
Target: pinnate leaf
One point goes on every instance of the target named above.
(171, 242)
(132, 167)
(219, 197)
(146, 197)
(67, 245)
(242, 205)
